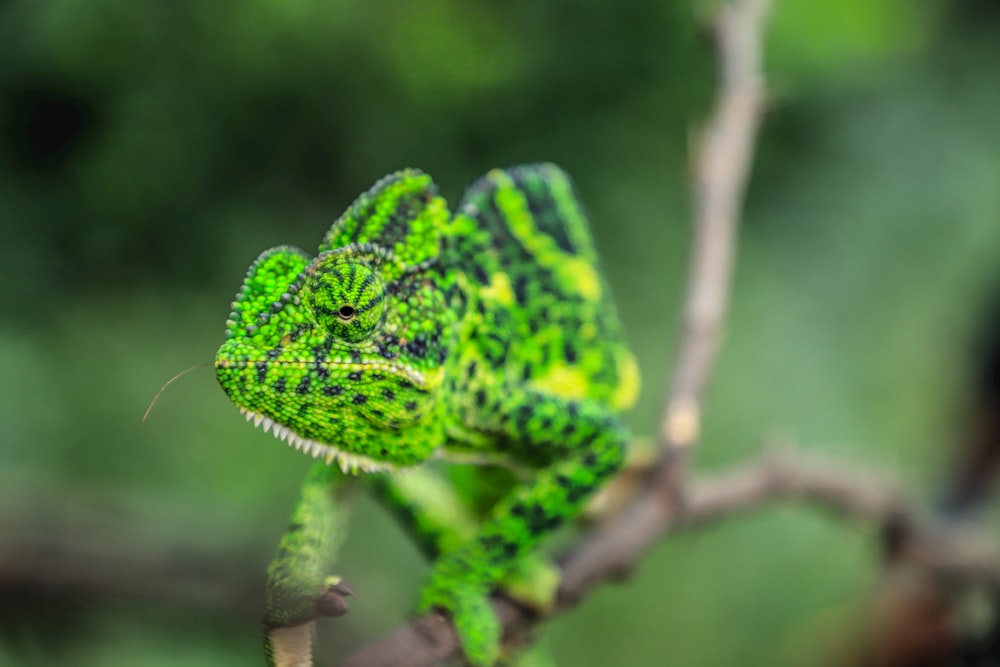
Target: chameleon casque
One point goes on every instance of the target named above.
(487, 336)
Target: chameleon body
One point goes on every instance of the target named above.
(487, 335)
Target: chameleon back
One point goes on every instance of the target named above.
(537, 304)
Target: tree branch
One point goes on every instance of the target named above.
(768, 480)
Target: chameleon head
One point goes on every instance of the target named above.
(339, 355)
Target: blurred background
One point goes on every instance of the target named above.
(149, 151)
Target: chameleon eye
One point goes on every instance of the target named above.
(348, 299)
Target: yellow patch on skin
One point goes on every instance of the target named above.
(578, 273)
(627, 392)
(499, 289)
(581, 275)
(563, 381)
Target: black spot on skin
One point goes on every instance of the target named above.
(560, 451)
(273, 354)
(416, 348)
(480, 398)
(546, 423)
(573, 410)
(471, 370)
(333, 390)
(359, 399)
(355, 356)
(545, 356)
(521, 289)
(354, 376)
(519, 510)
(576, 493)
(389, 394)
(568, 430)
(410, 406)
(378, 414)
(303, 387)
(501, 344)
(564, 481)
(279, 385)
(492, 542)
(537, 521)
(543, 209)
(386, 353)
(480, 275)
(533, 325)
(524, 413)
(405, 384)
(569, 352)
(590, 459)
(261, 372)
(526, 373)
(383, 452)
(322, 372)
(377, 376)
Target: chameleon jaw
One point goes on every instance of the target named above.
(348, 462)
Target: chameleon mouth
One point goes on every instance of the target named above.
(349, 463)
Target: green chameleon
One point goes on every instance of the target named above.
(484, 337)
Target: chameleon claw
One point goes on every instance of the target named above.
(333, 602)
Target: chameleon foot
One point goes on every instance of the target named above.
(476, 625)
(333, 602)
(533, 583)
(288, 637)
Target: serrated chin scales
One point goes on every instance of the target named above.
(348, 462)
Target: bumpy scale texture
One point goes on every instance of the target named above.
(484, 336)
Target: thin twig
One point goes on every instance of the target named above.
(721, 166)
(721, 169)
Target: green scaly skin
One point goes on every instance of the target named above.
(487, 335)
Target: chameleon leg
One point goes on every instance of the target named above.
(441, 515)
(427, 507)
(577, 445)
(300, 584)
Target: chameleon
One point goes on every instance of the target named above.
(469, 368)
